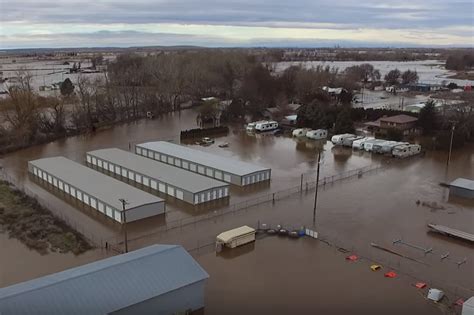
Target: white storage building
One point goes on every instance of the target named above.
(99, 191)
(178, 183)
(211, 165)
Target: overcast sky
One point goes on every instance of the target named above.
(308, 23)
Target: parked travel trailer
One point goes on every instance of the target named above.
(388, 147)
(251, 126)
(266, 126)
(338, 139)
(378, 147)
(359, 144)
(347, 142)
(236, 237)
(300, 132)
(369, 145)
(406, 150)
(317, 134)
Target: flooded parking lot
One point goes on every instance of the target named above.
(378, 207)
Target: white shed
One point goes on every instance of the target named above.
(236, 237)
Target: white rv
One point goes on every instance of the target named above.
(266, 125)
(406, 150)
(317, 134)
(251, 125)
(347, 142)
(369, 145)
(377, 147)
(338, 139)
(359, 144)
(389, 145)
(300, 132)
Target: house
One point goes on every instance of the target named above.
(158, 279)
(402, 122)
(289, 121)
(272, 112)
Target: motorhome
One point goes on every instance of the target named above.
(359, 144)
(338, 139)
(406, 150)
(317, 134)
(266, 126)
(347, 142)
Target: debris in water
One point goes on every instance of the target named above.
(420, 285)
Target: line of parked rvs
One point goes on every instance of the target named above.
(310, 134)
(379, 146)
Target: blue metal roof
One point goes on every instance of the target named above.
(107, 285)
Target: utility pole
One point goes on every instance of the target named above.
(317, 186)
(124, 222)
(451, 143)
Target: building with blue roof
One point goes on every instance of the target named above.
(159, 279)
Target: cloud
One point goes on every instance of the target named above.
(236, 21)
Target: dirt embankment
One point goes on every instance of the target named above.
(25, 219)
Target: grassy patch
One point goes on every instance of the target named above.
(26, 220)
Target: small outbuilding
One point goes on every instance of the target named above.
(236, 237)
(159, 279)
(462, 187)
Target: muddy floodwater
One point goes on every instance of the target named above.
(377, 207)
(285, 276)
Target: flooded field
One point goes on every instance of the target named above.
(284, 276)
(380, 206)
(429, 71)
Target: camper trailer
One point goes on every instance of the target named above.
(299, 132)
(266, 126)
(359, 144)
(369, 145)
(317, 134)
(387, 148)
(347, 142)
(338, 139)
(406, 150)
(378, 147)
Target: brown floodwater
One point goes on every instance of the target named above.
(285, 276)
(379, 207)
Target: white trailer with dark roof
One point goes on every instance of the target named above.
(181, 184)
(96, 190)
(211, 165)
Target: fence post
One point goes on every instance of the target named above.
(273, 197)
(301, 184)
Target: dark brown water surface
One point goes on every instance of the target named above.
(285, 276)
(379, 207)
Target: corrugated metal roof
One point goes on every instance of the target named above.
(463, 183)
(229, 235)
(228, 165)
(177, 177)
(96, 184)
(107, 285)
